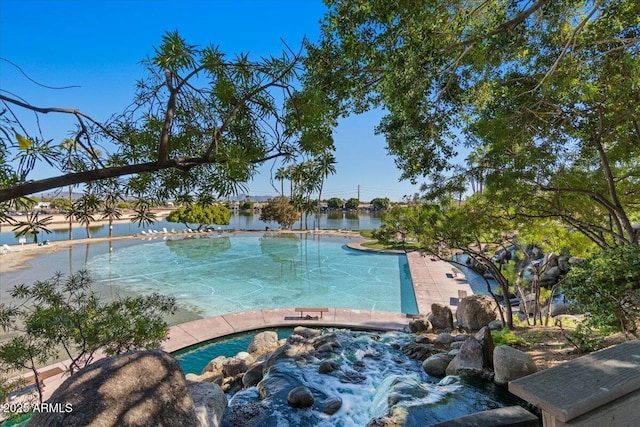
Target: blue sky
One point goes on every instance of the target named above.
(98, 46)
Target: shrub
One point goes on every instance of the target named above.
(607, 288)
(65, 316)
(506, 337)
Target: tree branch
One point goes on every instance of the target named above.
(113, 172)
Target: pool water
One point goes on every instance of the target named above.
(194, 359)
(219, 274)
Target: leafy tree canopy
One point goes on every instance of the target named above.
(380, 203)
(352, 203)
(607, 286)
(280, 210)
(202, 215)
(546, 94)
(200, 121)
(335, 203)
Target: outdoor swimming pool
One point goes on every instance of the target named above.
(218, 274)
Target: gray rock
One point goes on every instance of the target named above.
(530, 301)
(476, 311)
(332, 405)
(293, 351)
(469, 361)
(209, 377)
(139, 388)
(419, 325)
(436, 365)
(209, 402)
(253, 375)
(300, 397)
(510, 364)
(551, 260)
(216, 365)
(328, 366)
(277, 383)
(495, 325)
(249, 414)
(486, 341)
(321, 340)
(553, 272)
(243, 355)
(233, 367)
(325, 348)
(382, 422)
(307, 332)
(441, 318)
(444, 338)
(556, 309)
(352, 377)
(232, 384)
(456, 345)
(563, 263)
(419, 351)
(263, 342)
(423, 339)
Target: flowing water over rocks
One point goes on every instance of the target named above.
(349, 378)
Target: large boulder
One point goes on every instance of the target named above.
(469, 360)
(476, 311)
(436, 365)
(510, 364)
(441, 318)
(139, 388)
(486, 341)
(263, 342)
(209, 402)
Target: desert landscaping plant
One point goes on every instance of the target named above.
(64, 316)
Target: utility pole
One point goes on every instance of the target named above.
(358, 191)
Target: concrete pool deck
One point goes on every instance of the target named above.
(434, 281)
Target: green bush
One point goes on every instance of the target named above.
(63, 315)
(606, 288)
(506, 337)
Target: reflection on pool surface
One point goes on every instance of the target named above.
(224, 274)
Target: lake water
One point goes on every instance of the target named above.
(239, 221)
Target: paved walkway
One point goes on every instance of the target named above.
(434, 281)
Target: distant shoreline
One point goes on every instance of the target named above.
(18, 256)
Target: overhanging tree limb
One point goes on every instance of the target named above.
(113, 172)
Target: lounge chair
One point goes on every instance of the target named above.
(6, 248)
